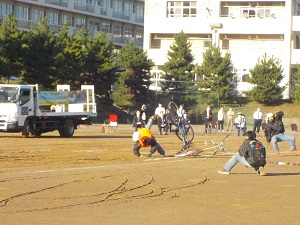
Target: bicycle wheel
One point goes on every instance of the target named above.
(188, 133)
(172, 111)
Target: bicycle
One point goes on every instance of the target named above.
(184, 131)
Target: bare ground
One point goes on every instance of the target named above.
(94, 178)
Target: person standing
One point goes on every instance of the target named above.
(159, 109)
(137, 121)
(207, 115)
(257, 116)
(274, 133)
(247, 157)
(144, 115)
(144, 138)
(169, 122)
(230, 114)
(162, 123)
(221, 115)
(180, 111)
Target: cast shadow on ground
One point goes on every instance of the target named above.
(283, 174)
(272, 174)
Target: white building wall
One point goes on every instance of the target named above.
(249, 38)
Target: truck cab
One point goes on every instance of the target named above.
(16, 103)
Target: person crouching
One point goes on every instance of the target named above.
(144, 138)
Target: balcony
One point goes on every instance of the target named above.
(63, 3)
(121, 15)
(139, 19)
(84, 7)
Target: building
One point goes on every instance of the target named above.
(246, 29)
(122, 20)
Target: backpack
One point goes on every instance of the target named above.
(257, 154)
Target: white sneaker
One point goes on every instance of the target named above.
(223, 171)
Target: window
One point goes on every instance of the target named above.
(37, 15)
(80, 23)
(207, 44)
(66, 20)
(117, 30)
(128, 8)
(248, 13)
(245, 77)
(139, 11)
(128, 31)
(259, 13)
(24, 96)
(139, 33)
(118, 6)
(53, 18)
(105, 4)
(105, 27)
(225, 44)
(5, 9)
(155, 42)
(181, 9)
(22, 13)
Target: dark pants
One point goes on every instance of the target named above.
(208, 127)
(151, 142)
(256, 127)
(220, 124)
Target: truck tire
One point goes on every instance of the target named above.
(37, 133)
(69, 128)
(27, 128)
(61, 132)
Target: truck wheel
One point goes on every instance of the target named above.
(69, 128)
(37, 133)
(61, 132)
(26, 129)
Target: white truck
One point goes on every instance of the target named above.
(23, 108)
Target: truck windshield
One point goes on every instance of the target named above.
(8, 94)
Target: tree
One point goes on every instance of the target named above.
(10, 48)
(216, 72)
(179, 68)
(136, 78)
(71, 54)
(38, 58)
(296, 93)
(266, 77)
(99, 67)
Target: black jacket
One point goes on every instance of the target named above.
(275, 127)
(245, 151)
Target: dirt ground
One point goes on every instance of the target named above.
(94, 178)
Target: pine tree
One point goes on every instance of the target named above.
(10, 48)
(179, 68)
(296, 93)
(136, 78)
(216, 73)
(38, 59)
(266, 77)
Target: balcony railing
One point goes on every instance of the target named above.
(121, 15)
(139, 19)
(103, 11)
(58, 2)
(84, 7)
